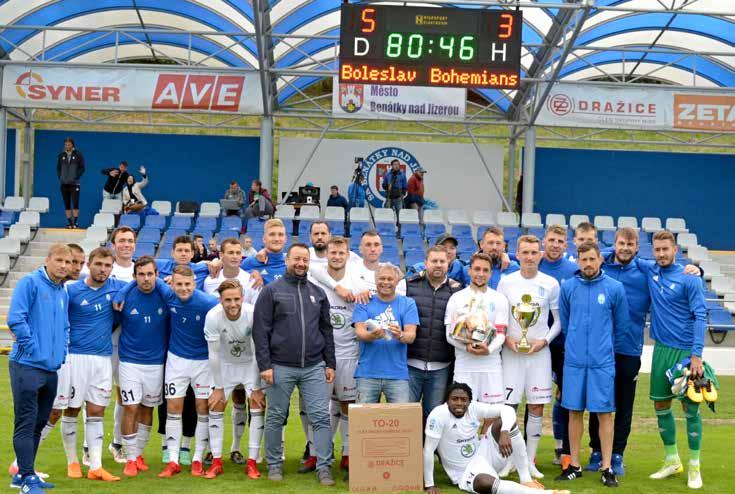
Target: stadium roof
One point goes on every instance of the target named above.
(652, 40)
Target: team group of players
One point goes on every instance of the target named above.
(187, 328)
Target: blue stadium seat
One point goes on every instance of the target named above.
(537, 232)
(180, 222)
(336, 227)
(206, 223)
(304, 227)
(646, 252)
(410, 229)
(389, 241)
(207, 234)
(466, 244)
(414, 257)
(172, 233)
(7, 218)
(156, 221)
(354, 243)
(386, 229)
(231, 223)
(224, 234)
(358, 228)
(608, 238)
(164, 254)
(148, 235)
(144, 249)
(462, 231)
(131, 220)
(719, 323)
(304, 238)
(434, 230)
(413, 242)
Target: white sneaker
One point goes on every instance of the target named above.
(535, 472)
(670, 467)
(507, 470)
(118, 453)
(695, 477)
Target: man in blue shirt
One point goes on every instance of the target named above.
(269, 263)
(336, 199)
(678, 324)
(182, 253)
(384, 326)
(593, 310)
(142, 348)
(91, 319)
(492, 243)
(39, 322)
(186, 363)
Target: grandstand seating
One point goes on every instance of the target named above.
(162, 207)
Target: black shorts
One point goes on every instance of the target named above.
(70, 195)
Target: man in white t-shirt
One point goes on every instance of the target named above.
(470, 462)
(228, 330)
(529, 373)
(231, 256)
(478, 363)
(319, 235)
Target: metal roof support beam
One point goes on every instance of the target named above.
(264, 42)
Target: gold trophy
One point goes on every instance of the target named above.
(473, 327)
(526, 313)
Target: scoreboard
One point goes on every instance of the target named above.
(424, 46)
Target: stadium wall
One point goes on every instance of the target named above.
(697, 187)
(180, 167)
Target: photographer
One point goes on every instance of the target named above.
(356, 190)
(395, 186)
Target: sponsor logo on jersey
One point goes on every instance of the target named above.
(107, 297)
(337, 320)
(601, 298)
(467, 450)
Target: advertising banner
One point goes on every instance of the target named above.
(131, 89)
(639, 108)
(397, 102)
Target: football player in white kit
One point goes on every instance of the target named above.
(231, 255)
(529, 373)
(228, 330)
(470, 462)
(346, 347)
(478, 364)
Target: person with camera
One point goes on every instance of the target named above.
(356, 190)
(395, 186)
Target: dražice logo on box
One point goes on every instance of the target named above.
(198, 92)
(560, 104)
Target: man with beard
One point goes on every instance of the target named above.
(472, 463)
(455, 268)
(493, 244)
(478, 363)
(319, 235)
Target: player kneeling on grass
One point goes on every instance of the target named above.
(471, 463)
(228, 329)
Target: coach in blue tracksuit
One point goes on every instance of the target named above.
(593, 309)
(39, 321)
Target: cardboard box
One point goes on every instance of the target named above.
(386, 448)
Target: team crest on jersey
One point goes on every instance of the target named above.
(313, 300)
(236, 348)
(467, 450)
(337, 320)
(198, 317)
(432, 424)
(107, 297)
(601, 298)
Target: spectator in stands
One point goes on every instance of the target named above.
(133, 199)
(69, 169)
(116, 180)
(247, 247)
(356, 191)
(336, 199)
(384, 326)
(415, 193)
(395, 186)
(213, 249)
(259, 201)
(235, 193)
(200, 251)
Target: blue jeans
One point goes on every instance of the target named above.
(369, 390)
(34, 391)
(429, 387)
(312, 385)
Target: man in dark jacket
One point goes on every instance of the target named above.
(69, 169)
(430, 356)
(294, 346)
(116, 180)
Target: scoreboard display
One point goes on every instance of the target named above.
(424, 46)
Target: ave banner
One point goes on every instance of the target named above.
(397, 102)
(640, 108)
(131, 89)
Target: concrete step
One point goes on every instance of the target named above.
(29, 263)
(59, 235)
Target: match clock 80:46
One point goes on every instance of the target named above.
(423, 46)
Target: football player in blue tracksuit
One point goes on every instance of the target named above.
(183, 252)
(593, 309)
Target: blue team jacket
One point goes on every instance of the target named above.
(39, 319)
(633, 278)
(592, 312)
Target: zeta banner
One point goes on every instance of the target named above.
(130, 88)
(397, 102)
(640, 108)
